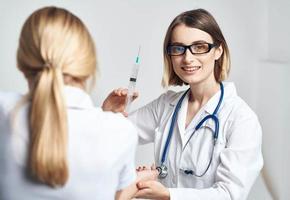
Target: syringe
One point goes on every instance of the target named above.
(132, 82)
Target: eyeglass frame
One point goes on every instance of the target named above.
(210, 45)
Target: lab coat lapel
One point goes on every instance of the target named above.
(181, 118)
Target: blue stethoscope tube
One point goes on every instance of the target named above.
(163, 171)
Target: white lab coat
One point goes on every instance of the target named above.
(237, 158)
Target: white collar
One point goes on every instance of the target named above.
(77, 98)
(230, 91)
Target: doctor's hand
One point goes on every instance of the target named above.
(116, 101)
(152, 190)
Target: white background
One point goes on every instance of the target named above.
(258, 35)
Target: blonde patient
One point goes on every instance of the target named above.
(63, 147)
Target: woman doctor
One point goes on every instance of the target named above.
(207, 140)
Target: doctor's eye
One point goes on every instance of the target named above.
(201, 48)
(175, 50)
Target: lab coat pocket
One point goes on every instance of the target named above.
(219, 146)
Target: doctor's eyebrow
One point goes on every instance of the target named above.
(194, 42)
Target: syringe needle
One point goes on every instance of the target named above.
(138, 53)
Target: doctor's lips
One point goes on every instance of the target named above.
(191, 69)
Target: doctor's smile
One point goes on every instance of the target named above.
(191, 69)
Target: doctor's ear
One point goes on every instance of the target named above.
(218, 52)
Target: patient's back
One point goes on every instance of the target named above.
(101, 149)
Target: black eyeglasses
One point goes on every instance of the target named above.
(198, 48)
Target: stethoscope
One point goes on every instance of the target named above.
(163, 170)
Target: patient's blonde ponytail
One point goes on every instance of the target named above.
(48, 148)
(53, 43)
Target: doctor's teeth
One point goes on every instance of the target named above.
(191, 68)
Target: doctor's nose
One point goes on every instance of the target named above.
(188, 57)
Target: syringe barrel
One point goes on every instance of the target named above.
(131, 86)
(133, 79)
(135, 71)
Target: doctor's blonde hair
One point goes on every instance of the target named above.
(53, 43)
(203, 20)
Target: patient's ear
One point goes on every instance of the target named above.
(72, 81)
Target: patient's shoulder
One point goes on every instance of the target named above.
(8, 100)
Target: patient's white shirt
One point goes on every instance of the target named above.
(101, 151)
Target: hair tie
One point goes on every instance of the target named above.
(47, 65)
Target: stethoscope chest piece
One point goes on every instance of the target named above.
(163, 171)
